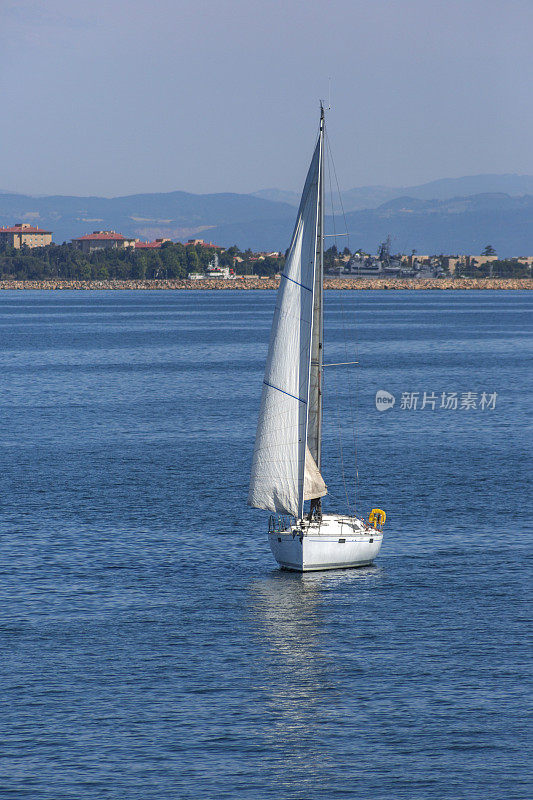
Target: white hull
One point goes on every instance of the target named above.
(337, 542)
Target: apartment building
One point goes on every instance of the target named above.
(23, 234)
(102, 240)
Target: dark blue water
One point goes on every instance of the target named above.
(149, 646)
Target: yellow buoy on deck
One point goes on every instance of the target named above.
(377, 517)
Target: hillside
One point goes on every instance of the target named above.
(176, 215)
(458, 225)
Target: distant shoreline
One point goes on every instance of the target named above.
(251, 284)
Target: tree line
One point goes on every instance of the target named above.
(171, 260)
(175, 260)
(501, 268)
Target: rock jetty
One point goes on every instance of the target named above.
(347, 284)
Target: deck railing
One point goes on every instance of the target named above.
(280, 522)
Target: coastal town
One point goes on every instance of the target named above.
(28, 253)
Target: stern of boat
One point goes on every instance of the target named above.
(335, 542)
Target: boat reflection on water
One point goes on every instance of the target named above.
(286, 607)
(294, 618)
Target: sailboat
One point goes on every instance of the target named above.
(286, 467)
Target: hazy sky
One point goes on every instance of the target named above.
(131, 96)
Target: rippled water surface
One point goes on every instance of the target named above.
(149, 646)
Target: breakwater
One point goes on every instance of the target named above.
(347, 284)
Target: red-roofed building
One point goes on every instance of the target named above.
(24, 234)
(149, 245)
(102, 240)
(201, 243)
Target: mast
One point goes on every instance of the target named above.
(320, 287)
(314, 431)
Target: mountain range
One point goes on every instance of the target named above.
(459, 215)
(441, 189)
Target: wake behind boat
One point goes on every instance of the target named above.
(286, 467)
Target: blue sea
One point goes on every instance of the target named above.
(150, 647)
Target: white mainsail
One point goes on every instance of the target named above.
(284, 471)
